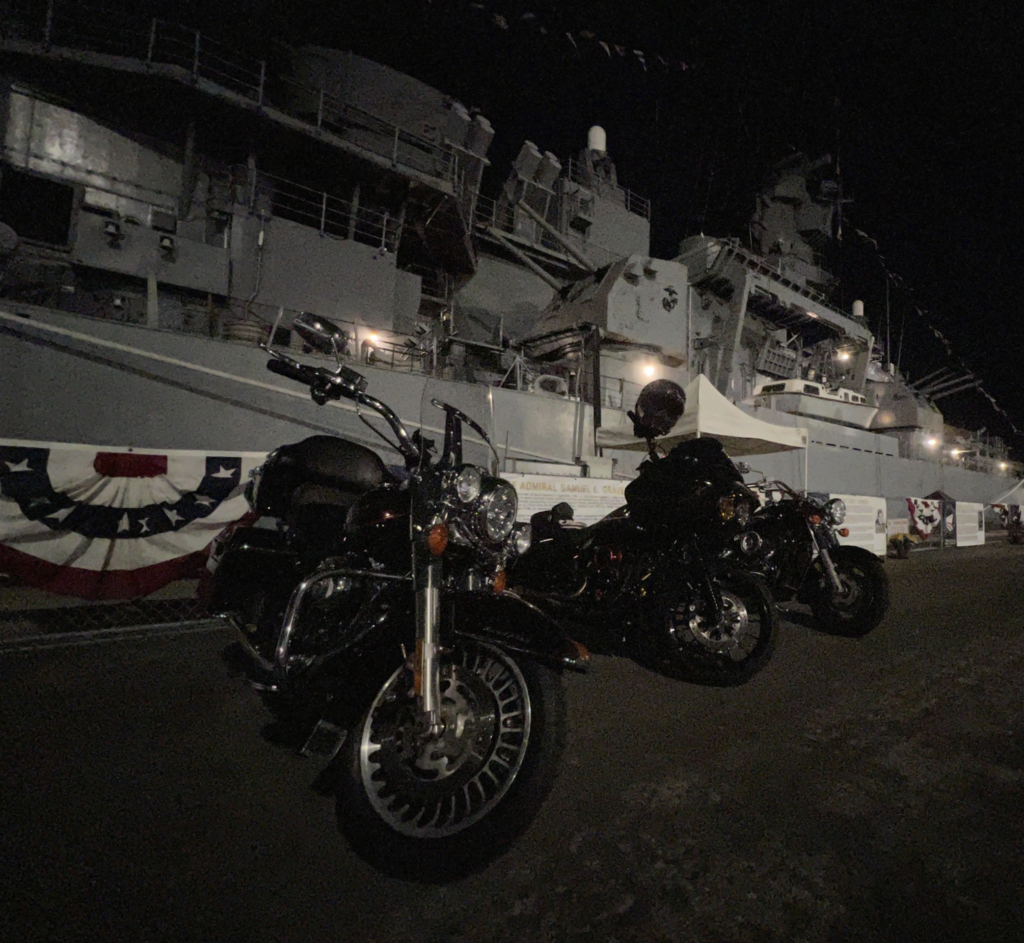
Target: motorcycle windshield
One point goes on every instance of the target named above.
(474, 402)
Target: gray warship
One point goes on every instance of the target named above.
(169, 203)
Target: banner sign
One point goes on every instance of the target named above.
(591, 498)
(866, 521)
(970, 524)
(113, 523)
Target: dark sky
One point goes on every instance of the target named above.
(921, 98)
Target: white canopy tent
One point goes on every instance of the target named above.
(1014, 496)
(709, 413)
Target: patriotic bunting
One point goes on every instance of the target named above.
(113, 523)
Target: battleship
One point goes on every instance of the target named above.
(168, 203)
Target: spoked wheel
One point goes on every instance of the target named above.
(732, 649)
(435, 806)
(861, 604)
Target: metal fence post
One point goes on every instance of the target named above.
(323, 213)
(48, 29)
(152, 40)
(263, 79)
(320, 111)
(195, 58)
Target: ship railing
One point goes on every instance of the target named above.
(334, 114)
(330, 215)
(494, 213)
(249, 322)
(633, 202)
(733, 251)
(95, 27)
(491, 213)
(437, 287)
(618, 392)
(207, 58)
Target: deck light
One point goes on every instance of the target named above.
(649, 370)
(932, 442)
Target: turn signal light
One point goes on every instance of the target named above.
(500, 581)
(437, 539)
(843, 532)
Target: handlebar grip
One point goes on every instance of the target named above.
(301, 372)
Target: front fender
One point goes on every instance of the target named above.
(512, 623)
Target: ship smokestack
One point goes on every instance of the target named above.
(597, 140)
(858, 310)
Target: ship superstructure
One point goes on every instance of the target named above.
(168, 204)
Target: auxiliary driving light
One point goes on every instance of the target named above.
(500, 581)
(437, 539)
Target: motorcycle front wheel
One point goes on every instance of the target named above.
(733, 649)
(436, 807)
(864, 599)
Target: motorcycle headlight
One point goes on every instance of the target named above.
(469, 484)
(522, 537)
(734, 507)
(496, 514)
(835, 511)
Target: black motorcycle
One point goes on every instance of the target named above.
(380, 632)
(654, 580)
(793, 543)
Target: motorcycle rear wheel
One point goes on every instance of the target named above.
(434, 809)
(865, 598)
(731, 651)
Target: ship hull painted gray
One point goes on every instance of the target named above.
(68, 379)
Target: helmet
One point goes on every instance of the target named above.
(658, 408)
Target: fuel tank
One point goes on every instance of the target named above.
(379, 522)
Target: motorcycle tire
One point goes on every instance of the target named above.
(865, 599)
(732, 651)
(437, 809)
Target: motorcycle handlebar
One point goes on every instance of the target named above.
(325, 386)
(299, 372)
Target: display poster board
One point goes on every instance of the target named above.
(591, 498)
(970, 524)
(866, 521)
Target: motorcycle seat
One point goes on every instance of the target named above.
(335, 463)
(319, 471)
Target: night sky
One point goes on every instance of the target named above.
(918, 99)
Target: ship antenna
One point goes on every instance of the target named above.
(899, 353)
(888, 348)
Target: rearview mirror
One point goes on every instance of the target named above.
(743, 468)
(320, 333)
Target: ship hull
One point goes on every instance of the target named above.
(68, 379)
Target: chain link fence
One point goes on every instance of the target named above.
(18, 624)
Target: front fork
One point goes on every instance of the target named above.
(709, 587)
(426, 664)
(826, 562)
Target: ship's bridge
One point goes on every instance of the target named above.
(722, 267)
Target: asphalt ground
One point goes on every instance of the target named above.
(857, 790)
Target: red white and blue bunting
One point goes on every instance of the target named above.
(113, 523)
